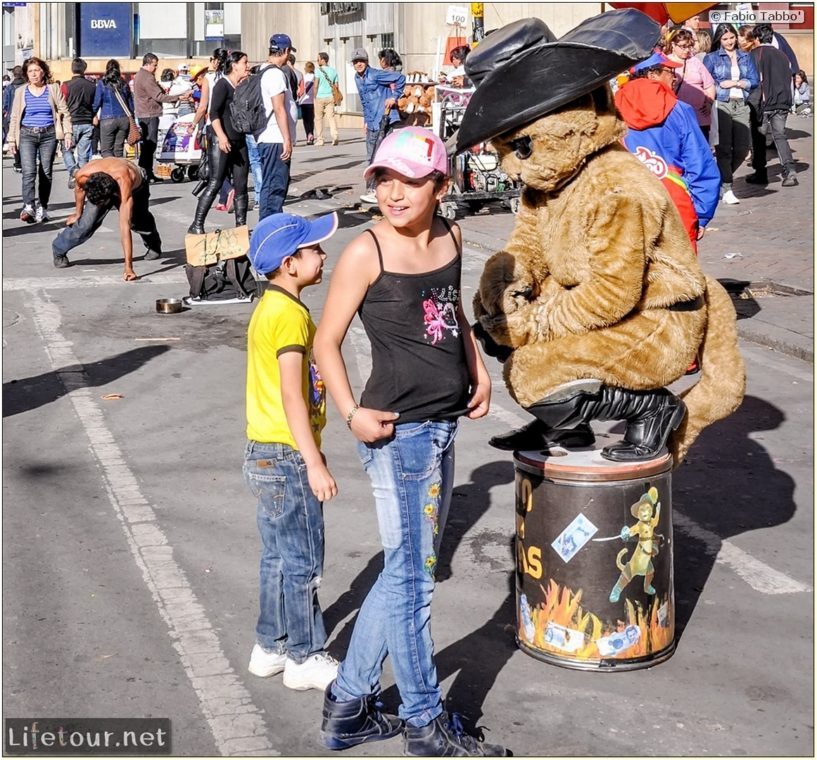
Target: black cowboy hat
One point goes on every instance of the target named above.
(522, 71)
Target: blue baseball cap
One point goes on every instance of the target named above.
(656, 59)
(281, 42)
(281, 235)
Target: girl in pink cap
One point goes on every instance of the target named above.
(403, 278)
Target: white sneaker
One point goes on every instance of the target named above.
(27, 215)
(265, 664)
(316, 672)
(730, 198)
(41, 215)
(369, 198)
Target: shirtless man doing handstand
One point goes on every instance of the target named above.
(103, 184)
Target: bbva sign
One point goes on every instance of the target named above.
(103, 23)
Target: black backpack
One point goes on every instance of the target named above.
(247, 109)
(226, 281)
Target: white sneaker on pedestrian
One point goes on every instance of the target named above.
(315, 672)
(730, 198)
(265, 664)
(27, 214)
(369, 198)
(41, 215)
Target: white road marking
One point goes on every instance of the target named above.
(238, 726)
(89, 281)
(757, 574)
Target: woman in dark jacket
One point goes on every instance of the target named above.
(228, 149)
(113, 121)
(735, 77)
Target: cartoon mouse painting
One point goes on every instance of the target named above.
(640, 562)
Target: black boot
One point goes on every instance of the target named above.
(202, 208)
(240, 205)
(651, 417)
(536, 435)
(347, 724)
(445, 737)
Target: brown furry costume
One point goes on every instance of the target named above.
(599, 279)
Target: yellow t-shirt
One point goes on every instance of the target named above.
(279, 324)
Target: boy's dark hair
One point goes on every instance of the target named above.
(275, 272)
(168, 75)
(149, 58)
(78, 66)
(323, 57)
(764, 33)
(102, 190)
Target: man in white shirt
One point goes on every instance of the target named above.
(275, 142)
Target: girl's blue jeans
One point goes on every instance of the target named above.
(290, 521)
(412, 479)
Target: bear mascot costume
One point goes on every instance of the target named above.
(597, 301)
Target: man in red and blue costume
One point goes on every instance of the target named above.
(664, 134)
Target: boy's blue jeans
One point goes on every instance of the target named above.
(290, 521)
(412, 479)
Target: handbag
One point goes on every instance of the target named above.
(337, 95)
(134, 133)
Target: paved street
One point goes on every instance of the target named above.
(129, 539)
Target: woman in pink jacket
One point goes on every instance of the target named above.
(693, 83)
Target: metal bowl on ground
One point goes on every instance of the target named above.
(169, 305)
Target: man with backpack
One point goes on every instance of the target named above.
(275, 140)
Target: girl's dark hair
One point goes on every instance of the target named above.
(390, 58)
(232, 60)
(437, 178)
(113, 74)
(460, 52)
(168, 75)
(720, 30)
(802, 74)
(101, 189)
(39, 62)
(220, 56)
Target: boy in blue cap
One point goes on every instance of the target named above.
(283, 464)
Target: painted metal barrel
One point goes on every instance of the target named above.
(594, 573)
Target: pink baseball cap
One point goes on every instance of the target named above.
(413, 152)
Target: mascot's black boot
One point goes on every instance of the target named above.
(347, 724)
(651, 415)
(240, 206)
(537, 435)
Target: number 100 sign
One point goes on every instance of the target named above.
(457, 15)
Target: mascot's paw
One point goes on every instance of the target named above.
(505, 285)
(489, 346)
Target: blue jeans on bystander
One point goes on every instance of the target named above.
(80, 153)
(255, 166)
(290, 521)
(275, 172)
(412, 478)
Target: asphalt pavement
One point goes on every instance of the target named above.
(129, 539)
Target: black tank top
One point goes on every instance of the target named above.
(418, 354)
